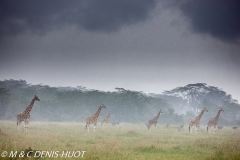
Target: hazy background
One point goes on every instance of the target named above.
(75, 104)
(142, 45)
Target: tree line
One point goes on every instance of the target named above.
(62, 104)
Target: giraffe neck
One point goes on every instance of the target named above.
(216, 118)
(29, 108)
(158, 115)
(108, 116)
(200, 115)
(98, 111)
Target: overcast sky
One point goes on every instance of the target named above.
(141, 45)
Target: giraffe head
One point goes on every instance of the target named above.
(205, 109)
(102, 106)
(160, 111)
(36, 98)
(221, 110)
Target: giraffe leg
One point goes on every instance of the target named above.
(87, 127)
(94, 128)
(191, 128)
(209, 129)
(197, 127)
(214, 129)
(25, 126)
(18, 123)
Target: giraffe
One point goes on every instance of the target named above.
(214, 121)
(105, 119)
(154, 120)
(94, 118)
(115, 123)
(25, 115)
(196, 120)
(234, 128)
(167, 125)
(181, 127)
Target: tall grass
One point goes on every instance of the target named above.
(125, 141)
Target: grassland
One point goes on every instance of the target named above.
(126, 141)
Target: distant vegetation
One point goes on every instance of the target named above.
(76, 103)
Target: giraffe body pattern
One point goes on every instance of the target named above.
(154, 120)
(196, 120)
(25, 115)
(105, 119)
(214, 121)
(94, 118)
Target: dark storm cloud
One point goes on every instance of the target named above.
(92, 15)
(220, 18)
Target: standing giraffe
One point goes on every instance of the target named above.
(196, 120)
(154, 120)
(25, 115)
(94, 118)
(214, 121)
(105, 119)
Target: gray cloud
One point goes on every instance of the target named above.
(91, 15)
(220, 18)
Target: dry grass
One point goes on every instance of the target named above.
(126, 141)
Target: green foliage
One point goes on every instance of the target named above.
(76, 104)
(4, 100)
(197, 93)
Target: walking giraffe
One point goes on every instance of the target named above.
(154, 120)
(105, 119)
(94, 118)
(25, 115)
(214, 121)
(196, 121)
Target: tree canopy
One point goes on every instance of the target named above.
(77, 103)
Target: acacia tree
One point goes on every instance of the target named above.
(197, 93)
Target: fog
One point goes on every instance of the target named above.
(68, 104)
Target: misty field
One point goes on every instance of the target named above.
(125, 141)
